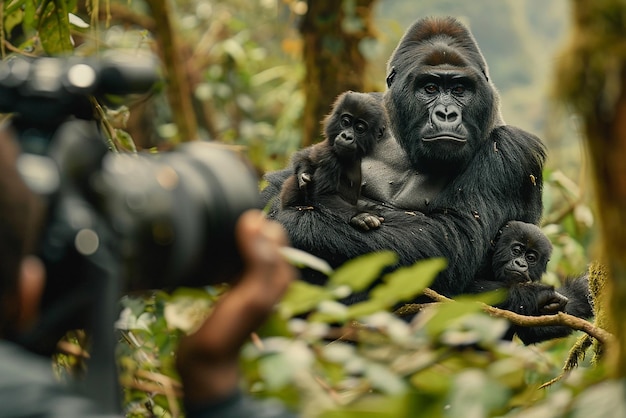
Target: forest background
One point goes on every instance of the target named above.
(260, 75)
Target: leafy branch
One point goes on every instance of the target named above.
(560, 318)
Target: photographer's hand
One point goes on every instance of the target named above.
(208, 359)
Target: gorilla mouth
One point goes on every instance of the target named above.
(445, 137)
(518, 277)
(345, 148)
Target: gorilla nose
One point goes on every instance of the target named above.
(347, 136)
(447, 115)
(520, 264)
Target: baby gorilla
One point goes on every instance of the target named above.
(329, 173)
(520, 258)
(521, 254)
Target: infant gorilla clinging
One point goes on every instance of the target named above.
(329, 173)
(519, 259)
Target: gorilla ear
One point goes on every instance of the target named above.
(381, 132)
(391, 76)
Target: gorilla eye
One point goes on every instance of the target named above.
(531, 257)
(431, 88)
(346, 121)
(458, 90)
(516, 250)
(360, 127)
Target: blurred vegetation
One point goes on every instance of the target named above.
(591, 79)
(243, 64)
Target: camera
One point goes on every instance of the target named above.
(116, 222)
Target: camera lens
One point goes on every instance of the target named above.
(176, 212)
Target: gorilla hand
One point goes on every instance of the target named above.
(303, 179)
(551, 302)
(366, 221)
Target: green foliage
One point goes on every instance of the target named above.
(316, 354)
(44, 25)
(449, 362)
(54, 28)
(568, 223)
(355, 276)
(249, 76)
(403, 285)
(360, 272)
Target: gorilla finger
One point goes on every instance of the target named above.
(359, 223)
(372, 221)
(556, 304)
(303, 180)
(551, 308)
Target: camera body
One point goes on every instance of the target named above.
(116, 222)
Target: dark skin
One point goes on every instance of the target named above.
(329, 173)
(208, 359)
(519, 259)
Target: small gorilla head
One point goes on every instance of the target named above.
(354, 125)
(440, 102)
(521, 253)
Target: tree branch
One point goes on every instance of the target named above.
(560, 318)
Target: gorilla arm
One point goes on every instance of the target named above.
(502, 182)
(574, 291)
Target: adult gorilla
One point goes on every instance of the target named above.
(452, 176)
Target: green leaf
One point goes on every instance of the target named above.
(54, 28)
(449, 312)
(474, 395)
(432, 381)
(489, 298)
(303, 297)
(278, 370)
(301, 258)
(509, 372)
(382, 378)
(368, 307)
(401, 285)
(378, 406)
(273, 326)
(360, 272)
(474, 328)
(12, 20)
(605, 399)
(126, 140)
(136, 305)
(190, 292)
(330, 311)
(12, 6)
(407, 282)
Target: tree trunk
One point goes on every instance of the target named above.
(332, 33)
(592, 78)
(178, 87)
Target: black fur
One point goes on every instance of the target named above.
(537, 301)
(329, 173)
(447, 202)
(520, 254)
(519, 259)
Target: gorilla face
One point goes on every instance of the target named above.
(521, 254)
(356, 122)
(441, 105)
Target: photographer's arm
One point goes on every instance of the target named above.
(208, 359)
